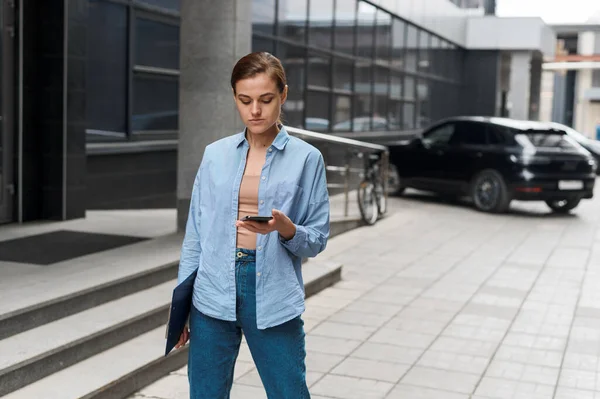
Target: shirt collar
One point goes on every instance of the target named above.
(280, 140)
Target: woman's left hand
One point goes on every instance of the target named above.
(280, 223)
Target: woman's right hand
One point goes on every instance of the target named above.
(183, 339)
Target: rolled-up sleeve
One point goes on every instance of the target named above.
(191, 249)
(312, 232)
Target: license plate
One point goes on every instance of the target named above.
(570, 185)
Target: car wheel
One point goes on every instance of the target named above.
(489, 192)
(564, 205)
(395, 186)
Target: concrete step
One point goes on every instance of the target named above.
(130, 365)
(95, 361)
(47, 311)
(39, 352)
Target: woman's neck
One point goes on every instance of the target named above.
(262, 140)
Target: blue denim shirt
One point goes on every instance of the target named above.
(293, 181)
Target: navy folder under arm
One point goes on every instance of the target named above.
(181, 305)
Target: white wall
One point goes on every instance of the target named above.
(584, 115)
(547, 96)
(493, 33)
(520, 83)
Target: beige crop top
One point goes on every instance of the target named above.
(247, 206)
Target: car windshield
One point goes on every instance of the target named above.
(546, 139)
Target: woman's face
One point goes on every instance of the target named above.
(259, 102)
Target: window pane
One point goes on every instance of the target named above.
(107, 67)
(424, 51)
(291, 20)
(156, 44)
(320, 23)
(395, 115)
(383, 36)
(408, 119)
(345, 20)
(380, 99)
(363, 107)
(409, 88)
(396, 86)
(263, 16)
(155, 103)
(317, 111)
(411, 48)
(342, 112)
(398, 43)
(168, 4)
(424, 117)
(366, 23)
(261, 44)
(319, 70)
(293, 59)
(435, 58)
(342, 76)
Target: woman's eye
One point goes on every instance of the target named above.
(267, 101)
(246, 102)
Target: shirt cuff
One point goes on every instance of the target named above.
(294, 243)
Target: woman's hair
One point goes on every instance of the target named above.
(256, 63)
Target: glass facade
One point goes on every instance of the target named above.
(132, 70)
(351, 66)
(365, 69)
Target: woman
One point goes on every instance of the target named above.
(249, 273)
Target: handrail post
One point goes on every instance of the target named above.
(346, 188)
(385, 172)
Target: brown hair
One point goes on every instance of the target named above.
(256, 63)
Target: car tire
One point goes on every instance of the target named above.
(395, 186)
(489, 192)
(563, 206)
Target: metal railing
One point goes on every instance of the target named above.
(350, 162)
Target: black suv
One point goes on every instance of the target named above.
(496, 160)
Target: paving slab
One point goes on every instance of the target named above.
(444, 302)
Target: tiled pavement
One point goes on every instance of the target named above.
(441, 302)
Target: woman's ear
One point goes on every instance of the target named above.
(284, 94)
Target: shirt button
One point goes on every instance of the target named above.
(258, 274)
(259, 248)
(270, 150)
(262, 202)
(263, 177)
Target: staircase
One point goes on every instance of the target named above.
(105, 340)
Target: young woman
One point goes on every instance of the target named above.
(249, 273)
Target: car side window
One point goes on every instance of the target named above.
(439, 136)
(497, 135)
(469, 133)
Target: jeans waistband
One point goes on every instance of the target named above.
(245, 255)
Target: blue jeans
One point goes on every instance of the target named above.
(278, 352)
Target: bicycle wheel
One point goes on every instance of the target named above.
(380, 197)
(367, 202)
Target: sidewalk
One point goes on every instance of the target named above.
(442, 302)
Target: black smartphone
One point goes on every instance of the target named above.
(262, 219)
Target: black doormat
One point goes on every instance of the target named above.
(60, 245)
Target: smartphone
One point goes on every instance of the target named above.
(262, 219)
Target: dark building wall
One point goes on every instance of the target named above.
(132, 181)
(54, 47)
(480, 78)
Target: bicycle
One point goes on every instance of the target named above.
(372, 199)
